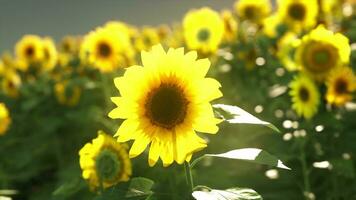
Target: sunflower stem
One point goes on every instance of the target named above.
(188, 175)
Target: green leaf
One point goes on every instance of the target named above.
(69, 187)
(229, 194)
(137, 188)
(236, 115)
(253, 155)
(140, 186)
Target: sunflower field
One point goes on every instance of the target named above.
(256, 101)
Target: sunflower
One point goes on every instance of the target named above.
(298, 14)
(321, 51)
(341, 83)
(164, 103)
(67, 94)
(286, 49)
(254, 11)
(5, 119)
(270, 26)
(305, 96)
(50, 55)
(29, 50)
(11, 83)
(104, 161)
(68, 49)
(230, 25)
(203, 30)
(107, 48)
(146, 38)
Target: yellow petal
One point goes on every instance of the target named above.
(139, 146)
(154, 153)
(127, 130)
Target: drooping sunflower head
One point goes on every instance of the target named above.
(11, 83)
(104, 161)
(68, 49)
(305, 96)
(298, 14)
(67, 94)
(5, 119)
(29, 49)
(107, 48)
(164, 103)
(322, 51)
(340, 83)
(230, 25)
(203, 30)
(253, 11)
(50, 55)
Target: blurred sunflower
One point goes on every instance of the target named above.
(230, 25)
(146, 38)
(286, 49)
(2, 67)
(50, 55)
(270, 26)
(107, 48)
(11, 83)
(298, 14)
(254, 11)
(5, 119)
(305, 96)
(67, 94)
(341, 83)
(104, 161)
(68, 49)
(29, 50)
(164, 103)
(203, 30)
(321, 51)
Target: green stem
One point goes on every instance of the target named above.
(188, 175)
(305, 170)
(197, 160)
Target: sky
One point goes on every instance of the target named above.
(57, 18)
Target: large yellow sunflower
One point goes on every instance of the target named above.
(5, 119)
(104, 161)
(341, 83)
(254, 11)
(107, 48)
(29, 50)
(203, 30)
(321, 51)
(305, 96)
(298, 14)
(50, 55)
(164, 103)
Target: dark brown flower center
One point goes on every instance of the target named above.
(104, 49)
(341, 86)
(297, 11)
(166, 106)
(29, 51)
(250, 12)
(304, 94)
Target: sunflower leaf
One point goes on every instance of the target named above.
(229, 194)
(236, 115)
(252, 155)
